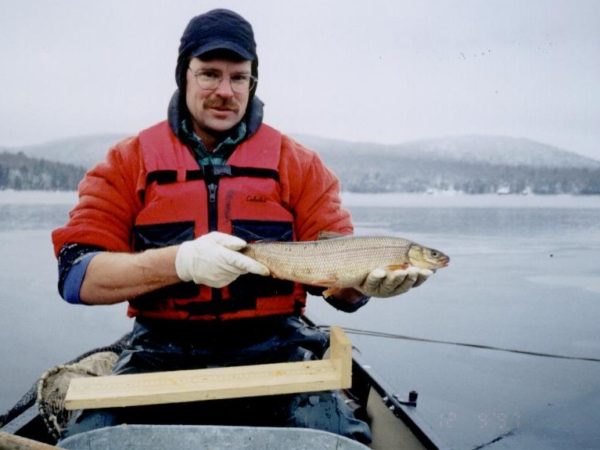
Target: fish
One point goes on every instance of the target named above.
(342, 262)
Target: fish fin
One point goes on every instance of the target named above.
(329, 235)
(330, 291)
(262, 240)
(327, 282)
(393, 267)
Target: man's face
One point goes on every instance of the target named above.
(215, 111)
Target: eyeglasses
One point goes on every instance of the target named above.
(211, 80)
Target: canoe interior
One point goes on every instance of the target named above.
(394, 423)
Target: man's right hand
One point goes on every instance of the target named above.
(214, 260)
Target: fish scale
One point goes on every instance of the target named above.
(341, 262)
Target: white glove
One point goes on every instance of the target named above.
(382, 282)
(213, 260)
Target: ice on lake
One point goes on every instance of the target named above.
(524, 275)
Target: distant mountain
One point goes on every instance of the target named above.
(55, 165)
(470, 164)
(84, 151)
(500, 150)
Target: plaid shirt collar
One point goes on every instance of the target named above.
(223, 150)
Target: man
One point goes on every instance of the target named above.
(160, 222)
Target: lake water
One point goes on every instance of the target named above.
(524, 275)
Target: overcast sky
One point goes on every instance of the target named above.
(380, 71)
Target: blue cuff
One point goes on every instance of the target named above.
(74, 279)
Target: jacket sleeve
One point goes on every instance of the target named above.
(313, 193)
(108, 202)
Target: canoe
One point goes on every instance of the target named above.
(394, 420)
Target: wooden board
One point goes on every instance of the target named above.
(216, 383)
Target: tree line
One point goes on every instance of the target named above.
(19, 172)
(369, 173)
(359, 173)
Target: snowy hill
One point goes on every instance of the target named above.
(20, 172)
(471, 164)
(83, 151)
(495, 150)
(498, 150)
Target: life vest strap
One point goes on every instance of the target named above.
(210, 173)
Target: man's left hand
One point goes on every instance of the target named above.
(383, 282)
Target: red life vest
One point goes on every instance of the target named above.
(183, 201)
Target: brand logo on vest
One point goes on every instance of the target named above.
(256, 198)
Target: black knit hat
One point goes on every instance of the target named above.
(219, 29)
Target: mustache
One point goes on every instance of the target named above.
(230, 104)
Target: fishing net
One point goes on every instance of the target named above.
(53, 385)
(50, 409)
